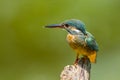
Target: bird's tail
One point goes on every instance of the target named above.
(92, 57)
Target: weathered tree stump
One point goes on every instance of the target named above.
(78, 71)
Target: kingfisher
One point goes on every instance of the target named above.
(82, 42)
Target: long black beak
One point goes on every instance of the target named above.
(55, 26)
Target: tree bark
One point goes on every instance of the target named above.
(78, 71)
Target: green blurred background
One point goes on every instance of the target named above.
(28, 51)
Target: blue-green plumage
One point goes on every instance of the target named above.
(91, 43)
(76, 23)
(84, 35)
(79, 39)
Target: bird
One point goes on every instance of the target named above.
(79, 39)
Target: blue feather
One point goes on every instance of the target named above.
(77, 24)
(91, 43)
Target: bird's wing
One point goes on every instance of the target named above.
(91, 43)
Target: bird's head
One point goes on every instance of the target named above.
(73, 26)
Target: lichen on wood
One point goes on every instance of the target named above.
(78, 71)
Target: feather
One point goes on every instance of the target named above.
(91, 42)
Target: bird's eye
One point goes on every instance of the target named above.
(66, 25)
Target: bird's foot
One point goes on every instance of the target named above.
(76, 61)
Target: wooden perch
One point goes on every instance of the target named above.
(78, 71)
